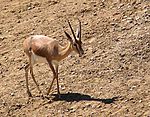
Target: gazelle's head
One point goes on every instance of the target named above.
(76, 41)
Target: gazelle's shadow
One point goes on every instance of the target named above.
(70, 97)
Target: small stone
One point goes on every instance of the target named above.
(18, 21)
(95, 14)
(63, 88)
(29, 8)
(126, 100)
(140, 101)
(2, 38)
(133, 86)
(92, 113)
(72, 110)
(92, 40)
(12, 94)
(85, 23)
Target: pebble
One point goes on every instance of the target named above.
(12, 94)
(85, 23)
(2, 38)
(29, 8)
(140, 101)
(92, 40)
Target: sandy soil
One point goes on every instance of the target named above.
(111, 80)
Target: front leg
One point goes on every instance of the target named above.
(56, 67)
(54, 74)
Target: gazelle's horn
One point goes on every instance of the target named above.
(72, 31)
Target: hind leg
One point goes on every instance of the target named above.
(32, 75)
(27, 84)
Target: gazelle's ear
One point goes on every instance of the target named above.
(78, 32)
(68, 37)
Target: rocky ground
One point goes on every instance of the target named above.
(111, 80)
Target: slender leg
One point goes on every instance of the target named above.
(56, 67)
(26, 75)
(31, 72)
(50, 86)
(54, 73)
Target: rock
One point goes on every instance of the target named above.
(2, 38)
(140, 101)
(12, 94)
(85, 23)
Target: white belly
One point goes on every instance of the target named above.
(54, 62)
(37, 59)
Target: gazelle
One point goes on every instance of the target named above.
(41, 48)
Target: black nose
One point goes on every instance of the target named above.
(81, 53)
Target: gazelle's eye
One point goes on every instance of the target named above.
(75, 44)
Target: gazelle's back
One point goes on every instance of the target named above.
(40, 46)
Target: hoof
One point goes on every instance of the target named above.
(47, 94)
(29, 93)
(42, 96)
(40, 92)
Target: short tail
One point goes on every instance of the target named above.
(30, 45)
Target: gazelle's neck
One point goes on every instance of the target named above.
(64, 51)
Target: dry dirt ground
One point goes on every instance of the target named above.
(111, 80)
